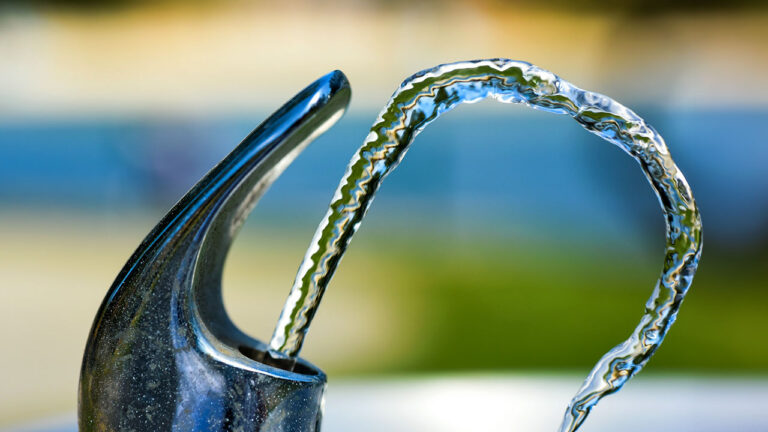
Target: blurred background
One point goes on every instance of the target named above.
(509, 242)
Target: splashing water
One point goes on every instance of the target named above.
(424, 97)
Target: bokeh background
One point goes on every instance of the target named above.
(508, 240)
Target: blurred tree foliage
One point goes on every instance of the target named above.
(620, 6)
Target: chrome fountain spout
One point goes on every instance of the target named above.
(162, 354)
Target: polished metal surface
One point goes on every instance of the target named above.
(162, 354)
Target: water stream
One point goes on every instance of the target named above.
(425, 96)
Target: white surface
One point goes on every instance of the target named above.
(530, 404)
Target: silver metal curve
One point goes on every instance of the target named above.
(162, 354)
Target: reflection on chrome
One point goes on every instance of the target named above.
(424, 97)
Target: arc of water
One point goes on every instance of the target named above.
(425, 96)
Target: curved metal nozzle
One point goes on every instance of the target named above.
(162, 354)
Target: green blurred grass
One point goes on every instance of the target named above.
(500, 304)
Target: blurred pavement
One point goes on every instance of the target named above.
(531, 404)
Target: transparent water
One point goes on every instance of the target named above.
(424, 97)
